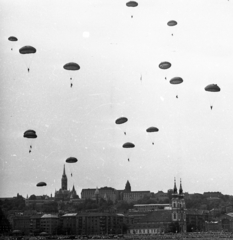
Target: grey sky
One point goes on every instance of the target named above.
(114, 51)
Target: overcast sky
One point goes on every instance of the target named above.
(118, 50)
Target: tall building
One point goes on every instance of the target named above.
(64, 180)
(63, 193)
(178, 207)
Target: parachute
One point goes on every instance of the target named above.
(121, 120)
(131, 4)
(30, 134)
(175, 81)
(41, 184)
(71, 160)
(212, 88)
(71, 67)
(172, 23)
(152, 130)
(27, 51)
(12, 39)
(128, 145)
(164, 65)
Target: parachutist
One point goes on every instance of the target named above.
(176, 96)
(211, 107)
(153, 143)
(128, 159)
(71, 85)
(28, 69)
(29, 151)
(30, 146)
(125, 133)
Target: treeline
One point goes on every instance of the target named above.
(196, 201)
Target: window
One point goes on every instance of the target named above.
(174, 215)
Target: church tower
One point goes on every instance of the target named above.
(183, 226)
(64, 180)
(178, 208)
(127, 187)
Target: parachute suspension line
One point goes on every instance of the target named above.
(71, 84)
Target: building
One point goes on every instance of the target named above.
(49, 223)
(171, 218)
(99, 223)
(106, 193)
(63, 194)
(152, 223)
(35, 224)
(178, 208)
(22, 223)
(150, 207)
(114, 195)
(129, 196)
(195, 220)
(69, 223)
(227, 222)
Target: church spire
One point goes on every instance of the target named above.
(175, 188)
(181, 189)
(64, 180)
(64, 171)
(127, 187)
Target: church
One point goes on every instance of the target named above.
(63, 194)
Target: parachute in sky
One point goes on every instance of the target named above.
(131, 4)
(172, 23)
(175, 81)
(72, 66)
(30, 135)
(128, 145)
(12, 39)
(27, 52)
(164, 65)
(212, 88)
(41, 184)
(152, 130)
(71, 160)
(121, 120)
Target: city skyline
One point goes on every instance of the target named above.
(178, 183)
(119, 51)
